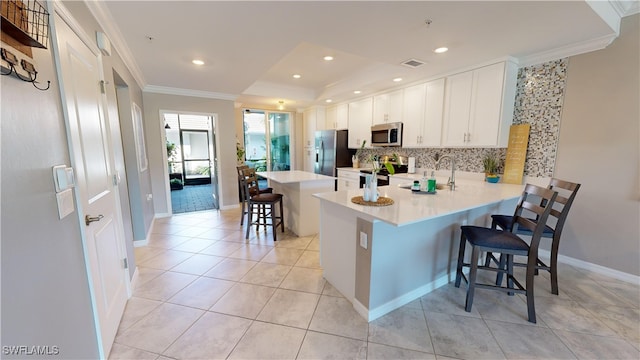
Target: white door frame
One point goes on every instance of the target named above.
(165, 160)
(59, 9)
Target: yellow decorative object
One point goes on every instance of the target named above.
(516, 153)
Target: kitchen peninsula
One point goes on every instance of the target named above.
(383, 257)
(301, 209)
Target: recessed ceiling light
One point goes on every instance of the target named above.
(398, 79)
(197, 62)
(328, 100)
(441, 50)
(357, 92)
(297, 76)
(328, 58)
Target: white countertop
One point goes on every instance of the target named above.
(293, 176)
(411, 207)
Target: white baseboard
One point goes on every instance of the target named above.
(162, 215)
(402, 300)
(599, 269)
(140, 243)
(134, 281)
(230, 207)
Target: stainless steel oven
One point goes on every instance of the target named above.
(383, 178)
(383, 174)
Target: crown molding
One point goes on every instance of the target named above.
(188, 92)
(567, 51)
(105, 20)
(625, 8)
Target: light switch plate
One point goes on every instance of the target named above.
(65, 203)
(364, 243)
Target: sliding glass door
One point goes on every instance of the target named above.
(267, 140)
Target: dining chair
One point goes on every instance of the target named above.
(553, 229)
(535, 199)
(261, 204)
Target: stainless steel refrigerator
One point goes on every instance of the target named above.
(331, 152)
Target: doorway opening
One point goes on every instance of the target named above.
(191, 161)
(267, 140)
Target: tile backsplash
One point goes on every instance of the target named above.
(539, 99)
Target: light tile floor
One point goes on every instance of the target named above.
(204, 292)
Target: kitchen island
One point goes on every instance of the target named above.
(383, 257)
(301, 209)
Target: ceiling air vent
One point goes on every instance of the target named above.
(413, 63)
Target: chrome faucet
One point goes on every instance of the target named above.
(452, 180)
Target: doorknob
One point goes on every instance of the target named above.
(89, 219)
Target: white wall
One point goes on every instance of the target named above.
(45, 295)
(599, 147)
(154, 126)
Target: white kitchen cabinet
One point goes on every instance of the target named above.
(360, 115)
(337, 117)
(423, 110)
(348, 179)
(313, 119)
(479, 106)
(388, 107)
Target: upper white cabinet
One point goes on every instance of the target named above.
(360, 115)
(313, 119)
(423, 109)
(388, 107)
(478, 106)
(337, 117)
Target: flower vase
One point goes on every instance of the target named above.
(366, 196)
(373, 189)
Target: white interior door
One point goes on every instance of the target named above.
(91, 155)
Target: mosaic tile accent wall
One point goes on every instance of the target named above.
(539, 99)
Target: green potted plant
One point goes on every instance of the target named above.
(239, 153)
(171, 154)
(355, 159)
(491, 163)
(176, 184)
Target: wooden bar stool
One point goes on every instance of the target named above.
(261, 204)
(566, 194)
(243, 172)
(509, 245)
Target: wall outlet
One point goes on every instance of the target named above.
(364, 241)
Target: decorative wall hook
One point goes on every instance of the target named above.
(12, 60)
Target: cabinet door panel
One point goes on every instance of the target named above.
(342, 117)
(387, 107)
(414, 112)
(486, 105)
(332, 117)
(321, 119)
(360, 114)
(434, 104)
(457, 109)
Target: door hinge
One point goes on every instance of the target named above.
(102, 87)
(125, 263)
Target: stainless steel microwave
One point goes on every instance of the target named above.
(389, 134)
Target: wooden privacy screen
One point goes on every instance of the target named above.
(516, 153)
